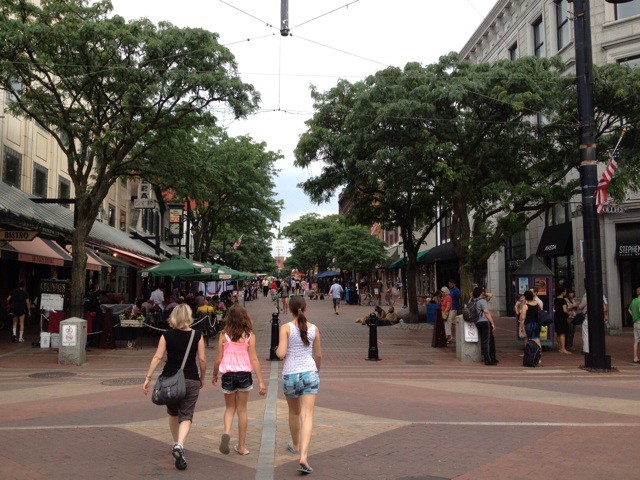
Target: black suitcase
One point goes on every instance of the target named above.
(532, 353)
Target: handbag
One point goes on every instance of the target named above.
(544, 318)
(172, 389)
(578, 319)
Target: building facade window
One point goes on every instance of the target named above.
(514, 53)
(631, 61)
(538, 38)
(112, 216)
(445, 230)
(123, 221)
(562, 23)
(12, 167)
(40, 181)
(558, 214)
(64, 189)
(626, 10)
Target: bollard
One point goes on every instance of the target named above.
(275, 337)
(372, 321)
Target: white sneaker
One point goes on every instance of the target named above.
(21, 340)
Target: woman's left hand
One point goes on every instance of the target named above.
(145, 386)
(263, 389)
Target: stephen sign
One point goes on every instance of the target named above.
(628, 251)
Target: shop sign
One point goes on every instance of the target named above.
(145, 203)
(628, 251)
(17, 235)
(614, 209)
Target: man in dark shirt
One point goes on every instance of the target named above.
(19, 298)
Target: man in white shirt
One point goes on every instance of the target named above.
(157, 297)
(336, 291)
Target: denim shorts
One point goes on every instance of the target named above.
(233, 382)
(304, 383)
(532, 330)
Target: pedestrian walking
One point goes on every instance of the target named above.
(299, 345)
(236, 360)
(174, 343)
(336, 292)
(19, 306)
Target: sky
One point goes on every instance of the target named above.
(330, 40)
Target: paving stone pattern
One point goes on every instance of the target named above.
(416, 414)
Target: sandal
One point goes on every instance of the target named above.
(246, 451)
(224, 444)
(290, 448)
(305, 468)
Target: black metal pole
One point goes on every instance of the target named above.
(596, 358)
(372, 321)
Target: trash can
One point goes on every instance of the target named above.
(432, 308)
(351, 296)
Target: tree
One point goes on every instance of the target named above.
(108, 91)
(356, 250)
(312, 237)
(491, 146)
(230, 190)
(320, 243)
(410, 146)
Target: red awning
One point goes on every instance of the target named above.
(38, 250)
(133, 257)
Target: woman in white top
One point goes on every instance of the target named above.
(299, 345)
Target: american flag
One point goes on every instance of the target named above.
(607, 175)
(237, 244)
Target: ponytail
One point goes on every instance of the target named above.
(297, 306)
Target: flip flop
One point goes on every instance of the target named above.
(246, 451)
(305, 469)
(224, 444)
(290, 448)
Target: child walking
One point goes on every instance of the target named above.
(236, 359)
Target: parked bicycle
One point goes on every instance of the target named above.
(367, 299)
(389, 297)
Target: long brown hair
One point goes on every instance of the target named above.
(297, 306)
(238, 323)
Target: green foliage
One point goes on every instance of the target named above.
(229, 182)
(108, 90)
(323, 242)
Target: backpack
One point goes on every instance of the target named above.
(470, 312)
(532, 354)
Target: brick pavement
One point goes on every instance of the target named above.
(418, 413)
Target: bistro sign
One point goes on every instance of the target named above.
(17, 235)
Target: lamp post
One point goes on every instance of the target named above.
(596, 358)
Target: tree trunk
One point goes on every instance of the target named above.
(466, 283)
(412, 294)
(79, 263)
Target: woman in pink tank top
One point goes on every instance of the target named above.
(236, 359)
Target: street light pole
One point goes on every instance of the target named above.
(596, 358)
